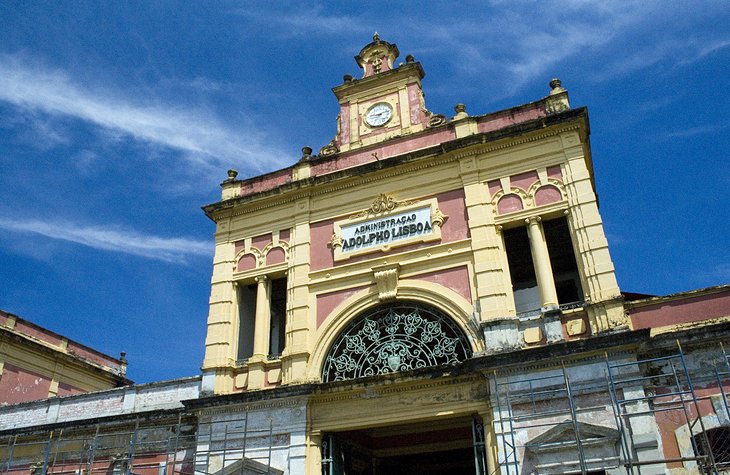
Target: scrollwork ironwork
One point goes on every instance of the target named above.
(393, 338)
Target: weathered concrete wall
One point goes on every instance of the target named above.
(113, 402)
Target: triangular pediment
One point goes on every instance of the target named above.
(564, 432)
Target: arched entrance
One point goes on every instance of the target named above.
(398, 336)
(405, 425)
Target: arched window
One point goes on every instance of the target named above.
(395, 337)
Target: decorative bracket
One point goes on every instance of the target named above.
(386, 278)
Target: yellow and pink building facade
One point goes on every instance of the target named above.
(431, 294)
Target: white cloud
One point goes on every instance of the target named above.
(113, 239)
(309, 21)
(697, 130)
(512, 43)
(200, 136)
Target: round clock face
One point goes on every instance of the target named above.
(379, 114)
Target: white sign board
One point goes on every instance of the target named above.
(387, 229)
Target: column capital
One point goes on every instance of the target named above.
(533, 219)
(261, 279)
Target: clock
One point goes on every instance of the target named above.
(379, 114)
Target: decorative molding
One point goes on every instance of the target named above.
(386, 279)
(387, 388)
(382, 204)
(428, 163)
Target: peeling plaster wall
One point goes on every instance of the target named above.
(114, 402)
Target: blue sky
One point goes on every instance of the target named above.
(118, 120)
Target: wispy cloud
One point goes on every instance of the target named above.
(520, 41)
(198, 135)
(112, 239)
(308, 21)
(698, 130)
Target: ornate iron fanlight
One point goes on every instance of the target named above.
(395, 337)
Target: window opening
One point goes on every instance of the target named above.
(395, 337)
(562, 261)
(719, 444)
(521, 269)
(278, 317)
(247, 320)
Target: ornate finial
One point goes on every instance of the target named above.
(123, 356)
(410, 59)
(460, 110)
(347, 78)
(232, 174)
(306, 153)
(555, 83)
(376, 36)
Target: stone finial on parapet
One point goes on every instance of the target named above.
(306, 154)
(230, 187)
(556, 86)
(557, 100)
(460, 110)
(302, 169)
(377, 57)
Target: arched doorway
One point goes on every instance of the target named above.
(398, 336)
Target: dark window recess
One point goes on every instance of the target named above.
(278, 317)
(562, 260)
(719, 440)
(247, 319)
(521, 269)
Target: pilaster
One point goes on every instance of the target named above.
(299, 324)
(493, 295)
(595, 265)
(222, 334)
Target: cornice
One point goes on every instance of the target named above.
(429, 157)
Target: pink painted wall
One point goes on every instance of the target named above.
(509, 203)
(68, 390)
(455, 228)
(345, 123)
(691, 309)
(327, 302)
(284, 235)
(554, 172)
(506, 118)
(392, 148)
(414, 104)
(266, 182)
(260, 242)
(29, 329)
(494, 187)
(523, 180)
(275, 256)
(547, 194)
(91, 354)
(246, 262)
(20, 385)
(456, 279)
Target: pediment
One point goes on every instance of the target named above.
(248, 466)
(564, 433)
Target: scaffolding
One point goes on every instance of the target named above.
(569, 419)
(145, 447)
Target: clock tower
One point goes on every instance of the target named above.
(385, 103)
